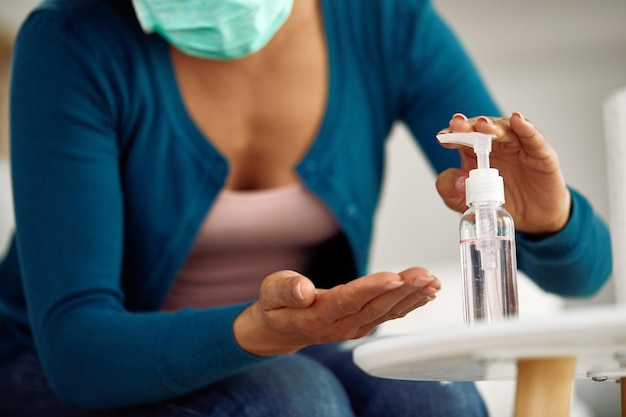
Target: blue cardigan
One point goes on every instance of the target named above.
(112, 180)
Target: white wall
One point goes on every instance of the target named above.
(12, 12)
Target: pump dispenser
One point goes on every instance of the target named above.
(487, 238)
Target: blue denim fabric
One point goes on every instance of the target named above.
(380, 397)
(291, 386)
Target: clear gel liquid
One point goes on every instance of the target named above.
(489, 279)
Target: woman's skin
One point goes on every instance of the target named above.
(291, 313)
(535, 192)
(262, 111)
(266, 109)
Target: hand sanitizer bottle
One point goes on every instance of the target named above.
(487, 238)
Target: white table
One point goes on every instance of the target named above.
(543, 354)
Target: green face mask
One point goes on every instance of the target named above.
(218, 29)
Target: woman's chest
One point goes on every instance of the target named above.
(261, 117)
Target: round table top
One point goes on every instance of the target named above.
(595, 336)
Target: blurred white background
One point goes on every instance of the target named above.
(555, 61)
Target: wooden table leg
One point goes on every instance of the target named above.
(544, 387)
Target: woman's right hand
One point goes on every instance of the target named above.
(291, 313)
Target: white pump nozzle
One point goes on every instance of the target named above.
(481, 142)
(484, 183)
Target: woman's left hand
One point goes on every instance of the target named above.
(535, 191)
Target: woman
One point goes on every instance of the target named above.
(174, 163)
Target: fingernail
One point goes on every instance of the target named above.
(486, 119)
(394, 284)
(420, 281)
(430, 291)
(460, 116)
(516, 113)
(297, 292)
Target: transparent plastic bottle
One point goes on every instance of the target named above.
(487, 239)
(488, 263)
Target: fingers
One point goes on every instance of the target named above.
(352, 297)
(286, 289)
(483, 124)
(424, 294)
(522, 127)
(392, 315)
(530, 137)
(537, 194)
(421, 278)
(291, 313)
(420, 287)
(460, 123)
(500, 126)
(427, 288)
(513, 130)
(450, 185)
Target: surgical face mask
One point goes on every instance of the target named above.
(218, 29)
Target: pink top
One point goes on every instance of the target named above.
(246, 236)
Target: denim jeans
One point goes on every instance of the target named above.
(319, 381)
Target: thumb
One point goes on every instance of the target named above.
(521, 126)
(286, 289)
(451, 187)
